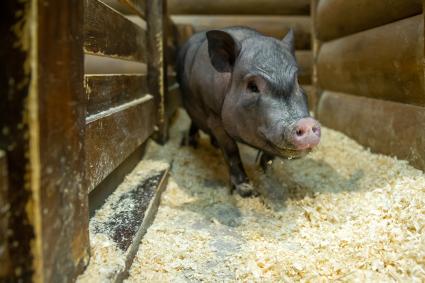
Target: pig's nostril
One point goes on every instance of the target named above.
(299, 132)
(316, 130)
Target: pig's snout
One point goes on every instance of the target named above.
(306, 133)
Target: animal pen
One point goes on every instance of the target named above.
(95, 186)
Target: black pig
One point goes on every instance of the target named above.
(241, 86)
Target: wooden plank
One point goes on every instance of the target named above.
(385, 62)
(56, 129)
(386, 127)
(14, 139)
(275, 26)
(105, 65)
(112, 135)
(5, 211)
(246, 7)
(157, 62)
(337, 18)
(107, 91)
(305, 63)
(311, 98)
(108, 33)
(124, 219)
(128, 7)
(315, 47)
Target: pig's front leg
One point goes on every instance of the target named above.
(238, 178)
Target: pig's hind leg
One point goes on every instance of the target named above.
(238, 178)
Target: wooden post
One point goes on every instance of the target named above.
(43, 117)
(157, 81)
(315, 45)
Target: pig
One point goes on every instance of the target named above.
(238, 85)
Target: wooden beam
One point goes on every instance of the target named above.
(112, 135)
(315, 47)
(157, 63)
(107, 91)
(108, 33)
(128, 7)
(246, 7)
(56, 130)
(384, 62)
(275, 26)
(337, 18)
(14, 81)
(305, 63)
(5, 211)
(386, 127)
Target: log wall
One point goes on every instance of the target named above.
(369, 73)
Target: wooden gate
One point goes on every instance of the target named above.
(86, 86)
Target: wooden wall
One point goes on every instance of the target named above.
(271, 17)
(369, 73)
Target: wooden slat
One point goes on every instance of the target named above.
(246, 7)
(385, 62)
(56, 129)
(315, 47)
(336, 18)
(386, 127)
(305, 63)
(107, 91)
(105, 65)
(311, 98)
(275, 26)
(113, 135)
(108, 33)
(5, 211)
(128, 7)
(157, 62)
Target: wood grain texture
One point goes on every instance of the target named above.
(14, 82)
(113, 135)
(337, 18)
(275, 26)
(57, 132)
(5, 211)
(128, 7)
(246, 7)
(108, 33)
(384, 62)
(157, 63)
(386, 127)
(305, 63)
(107, 91)
(315, 47)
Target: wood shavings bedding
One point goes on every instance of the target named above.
(342, 213)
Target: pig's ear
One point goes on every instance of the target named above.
(288, 40)
(223, 50)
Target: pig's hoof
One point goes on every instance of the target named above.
(245, 190)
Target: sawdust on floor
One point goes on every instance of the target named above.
(342, 213)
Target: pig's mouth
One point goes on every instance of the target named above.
(287, 152)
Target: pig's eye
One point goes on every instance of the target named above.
(252, 87)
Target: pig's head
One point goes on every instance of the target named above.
(264, 105)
